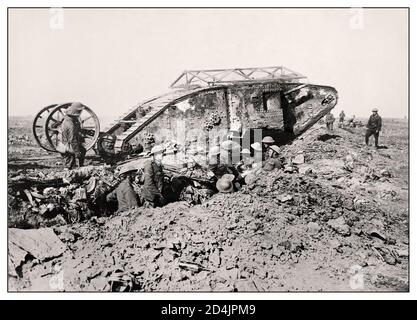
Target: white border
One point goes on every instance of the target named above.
(197, 296)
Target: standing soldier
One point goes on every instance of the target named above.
(374, 126)
(329, 121)
(153, 177)
(341, 118)
(71, 137)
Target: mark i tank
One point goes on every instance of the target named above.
(241, 104)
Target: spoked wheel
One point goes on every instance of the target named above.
(38, 127)
(90, 125)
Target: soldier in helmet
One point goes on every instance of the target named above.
(225, 183)
(329, 121)
(124, 193)
(341, 118)
(273, 161)
(153, 179)
(374, 126)
(229, 151)
(216, 168)
(266, 143)
(258, 154)
(245, 165)
(71, 136)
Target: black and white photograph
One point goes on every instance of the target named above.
(186, 149)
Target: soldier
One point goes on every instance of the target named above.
(257, 152)
(124, 193)
(266, 143)
(374, 126)
(329, 121)
(244, 165)
(153, 177)
(214, 157)
(225, 183)
(351, 122)
(216, 168)
(341, 118)
(71, 137)
(273, 161)
(231, 150)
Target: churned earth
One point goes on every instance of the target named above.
(338, 221)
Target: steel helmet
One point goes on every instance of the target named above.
(275, 148)
(230, 145)
(256, 146)
(75, 109)
(375, 110)
(224, 185)
(268, 139)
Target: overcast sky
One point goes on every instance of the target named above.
(110, 59)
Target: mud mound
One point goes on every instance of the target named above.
(339, 216)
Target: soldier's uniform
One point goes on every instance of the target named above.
(273, 161)
(374, 126)
(267, 142)
(329, 121)
(271, 164)
(153, 177)
(125, 195)
(245, 164)
(341, 118)
(221, 169)
(71, 137)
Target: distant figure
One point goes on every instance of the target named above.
(341, 118)
(329, 121)
(351, 122)
(374, 126)
(71, 138)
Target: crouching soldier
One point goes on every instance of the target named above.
(124, 193)
(216, 168)
(153, 179)
(245, 165)
(225, 184)
(273, 161)
(266, 143)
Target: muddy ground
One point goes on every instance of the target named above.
(337, 222)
